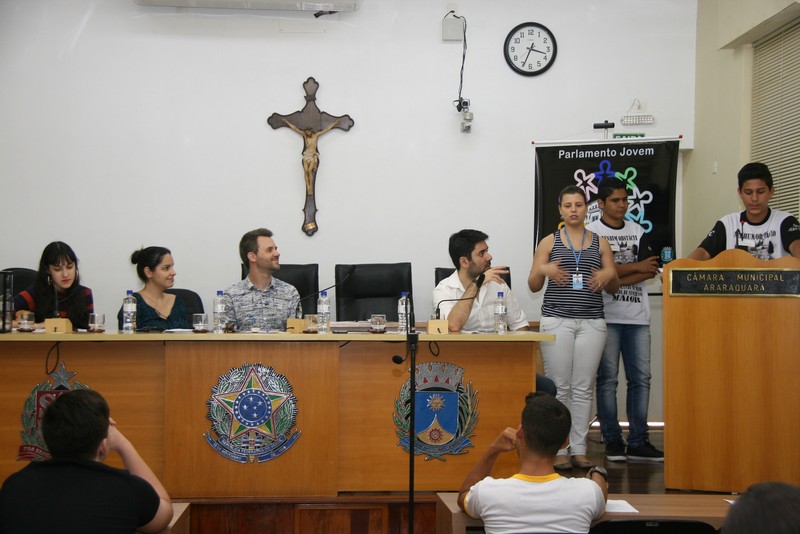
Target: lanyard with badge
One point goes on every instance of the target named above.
(577, 278)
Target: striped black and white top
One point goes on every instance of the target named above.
(564, 301)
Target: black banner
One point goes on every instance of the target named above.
(648, 168)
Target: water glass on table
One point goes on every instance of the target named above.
(311, 326)
(200, 323)
(25, 320)
(377, 323)
(97, 323)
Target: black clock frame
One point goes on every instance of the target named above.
(513, 66)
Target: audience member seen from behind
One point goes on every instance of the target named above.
(75, 491)
(536, 499)
(57, 291)
(579, 265)
(763, 232)
(155, 308)
(765, 508)
(260, 302)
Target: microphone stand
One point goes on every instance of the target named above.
(412, 340)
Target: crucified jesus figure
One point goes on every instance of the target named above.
(311, 123)
(310, 152)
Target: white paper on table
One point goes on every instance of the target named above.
(620, 507)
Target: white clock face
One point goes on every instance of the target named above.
(530, 49)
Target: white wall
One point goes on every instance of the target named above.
(125, 126)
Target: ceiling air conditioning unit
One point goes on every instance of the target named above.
(285, 5)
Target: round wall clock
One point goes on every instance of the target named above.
(530, 49)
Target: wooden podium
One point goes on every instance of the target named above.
(731, 368)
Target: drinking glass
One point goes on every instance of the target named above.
(97, 323)
(200, 323)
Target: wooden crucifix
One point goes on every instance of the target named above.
(311, 123)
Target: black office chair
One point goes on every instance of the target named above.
(23, 278)
(305, 278)
(440, 273)
(370, 288)
(193, 302)
(646, 526)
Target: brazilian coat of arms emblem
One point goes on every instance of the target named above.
(33, 446)
(445, 414)
(252, 411)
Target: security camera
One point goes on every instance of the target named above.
(466, 124)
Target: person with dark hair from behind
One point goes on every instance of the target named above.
(155, 308)
(476, 283)
(536, 499)
(75, 491)
(765, 508)
(260, 302)
(763, 232)
(57, 290)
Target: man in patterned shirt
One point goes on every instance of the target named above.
(260, 302)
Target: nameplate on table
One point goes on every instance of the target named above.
(735, 282)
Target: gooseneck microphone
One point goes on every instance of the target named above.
(298, 312)
(437, 311)
(739, 234)
(55, 301)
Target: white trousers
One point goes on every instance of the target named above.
(571, 362)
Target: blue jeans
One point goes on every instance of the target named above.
(633, 342)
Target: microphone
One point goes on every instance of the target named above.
(437, 311)
(298, 312)
(55, 301)
(739, 234)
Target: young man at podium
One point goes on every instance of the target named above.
(765, 233)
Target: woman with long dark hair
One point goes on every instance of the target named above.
(155, 308)
(57, 291)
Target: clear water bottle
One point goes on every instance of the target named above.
(323, 313)
(500, 314)
(219, 313)
(129, 313)
(402, 313)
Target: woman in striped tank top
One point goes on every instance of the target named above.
(579, 265)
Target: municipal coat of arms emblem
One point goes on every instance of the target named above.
(252, 411)
(33, 446)
(445, 413)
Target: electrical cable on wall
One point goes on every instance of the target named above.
(462, 104)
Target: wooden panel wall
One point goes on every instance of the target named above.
(285, 518)
(129, 375)
(369, 457)
(307, 468)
